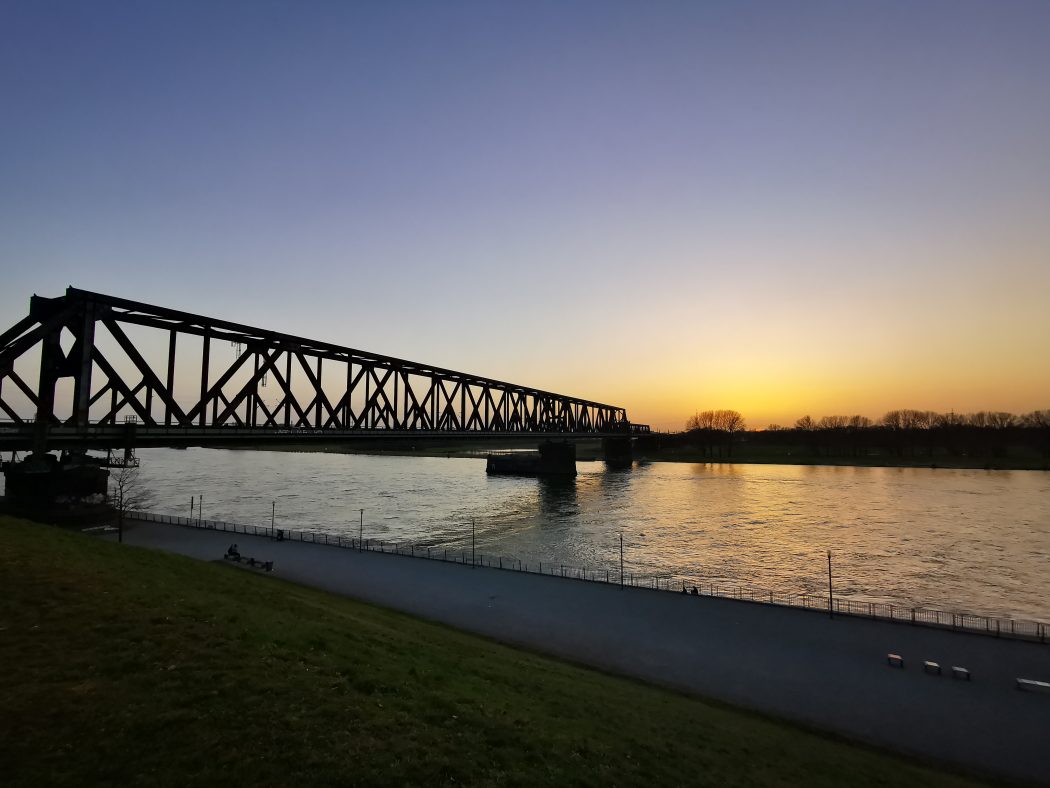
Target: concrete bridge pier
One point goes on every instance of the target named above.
(554, 458)
(618, 452)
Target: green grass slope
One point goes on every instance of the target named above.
(123, 666)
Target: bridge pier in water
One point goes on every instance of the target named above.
(554, 458)
(618, 452)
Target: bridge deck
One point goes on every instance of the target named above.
(21, 437)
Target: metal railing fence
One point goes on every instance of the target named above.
(1020, 629)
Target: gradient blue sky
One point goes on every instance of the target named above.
(782, 207)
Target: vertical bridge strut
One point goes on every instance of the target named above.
(113, 350)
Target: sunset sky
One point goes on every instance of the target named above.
(781, 207)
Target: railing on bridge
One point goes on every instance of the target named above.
(221, 374)
(1018, 629)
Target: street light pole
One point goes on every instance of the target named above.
(473, 560)
(831, 598)
(621, 559)
(361, 532)
(273, 517)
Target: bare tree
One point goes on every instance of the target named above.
(915, 419)
(978, 419)
(128, 493)
(1001, 420)
(950, 420)
(892, 420)
(832, 422)
(1036, 419)
(730, 422)
(701, 421)
(805, 423)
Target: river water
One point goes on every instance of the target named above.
(961, 540)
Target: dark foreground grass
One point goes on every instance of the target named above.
(124, 666)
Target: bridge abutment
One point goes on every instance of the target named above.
(42, 481)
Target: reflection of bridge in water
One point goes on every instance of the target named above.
(99, 372)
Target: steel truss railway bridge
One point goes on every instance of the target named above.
(100, 372)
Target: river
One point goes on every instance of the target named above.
(961, 540)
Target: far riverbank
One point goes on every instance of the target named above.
(591, 451)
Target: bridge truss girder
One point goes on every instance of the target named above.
(370, 392)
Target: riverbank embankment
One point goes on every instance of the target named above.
(800, 665)
(130, 666)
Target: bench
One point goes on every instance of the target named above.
(895, 660)
(931, 667)
(1031, 685)
(960, 673)
(255, 563)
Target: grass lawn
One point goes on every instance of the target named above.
(124, 666)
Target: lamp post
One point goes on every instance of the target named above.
(273, 518)
(473, 560)
(361, 532)
(831, 598)
(621, 559)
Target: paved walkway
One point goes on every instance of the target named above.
(796, 664)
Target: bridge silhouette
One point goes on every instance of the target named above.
(104, 380)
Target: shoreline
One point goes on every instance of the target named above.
(593, 454)
(829, 673)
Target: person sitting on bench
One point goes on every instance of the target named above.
(231, 552)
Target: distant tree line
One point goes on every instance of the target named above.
(905, 434)
(921, 434)
(714, 430)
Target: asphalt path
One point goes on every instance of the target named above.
(827, 673)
